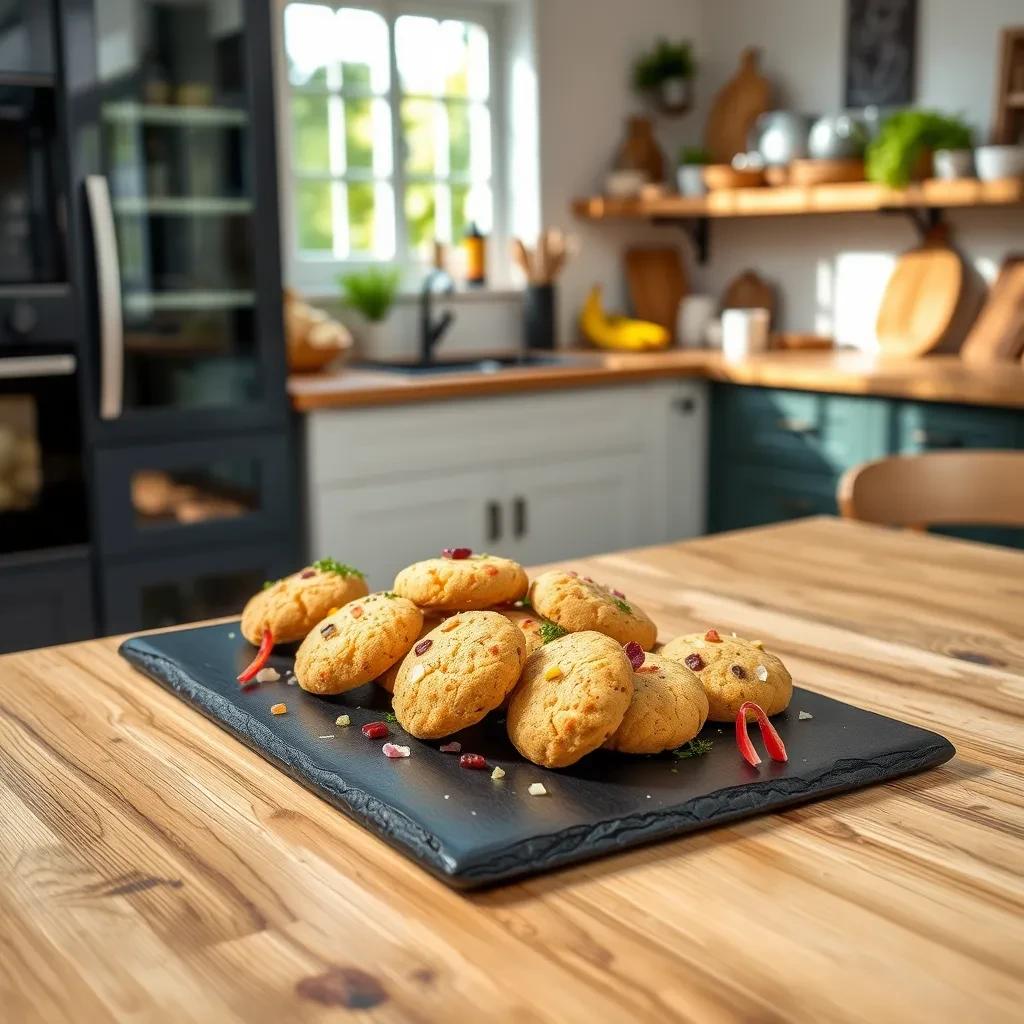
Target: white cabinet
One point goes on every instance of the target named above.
(540, 478)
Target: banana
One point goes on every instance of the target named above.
(618, 332)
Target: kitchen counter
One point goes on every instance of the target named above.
(152, 866)
(941, 378)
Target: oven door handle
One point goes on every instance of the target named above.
(108, 286)
(26, 367)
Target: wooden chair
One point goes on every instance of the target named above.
(945, 488)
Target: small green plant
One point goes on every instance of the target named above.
(666, 61)
(904, 136)
(371, 292)
(694, 156)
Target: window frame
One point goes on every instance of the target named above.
(318, 276)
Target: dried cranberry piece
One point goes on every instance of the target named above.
(694, 662)
(474, 761)
(374, 730)
(457, 553)
(423, 646)
(307, 574)
(712, 636)
(635, 653)
(619, 594)
(738, 671)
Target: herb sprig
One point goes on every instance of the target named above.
(330, 565)
(622, 605)
(550, 631)
(695, 748)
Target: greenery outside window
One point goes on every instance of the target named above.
(388, 135)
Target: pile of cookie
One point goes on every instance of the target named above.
(462, 635)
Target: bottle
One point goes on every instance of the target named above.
(474, 245)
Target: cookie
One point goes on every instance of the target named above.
(457, 673)
(387, 680)
(472, 583)
(578, 603)
(292, 606)
(733, 670)
(573, 695)
(529, 622)
(357, 643)
(669, 707)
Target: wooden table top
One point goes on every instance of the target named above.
(153, 867)
(940, 378)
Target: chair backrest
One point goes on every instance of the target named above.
(966, 488)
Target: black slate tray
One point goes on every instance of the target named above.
(471, 831)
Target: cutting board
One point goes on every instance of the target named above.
(739, 103)
(470, 830)
(749, 291)
(998, 333)
(657, 284)
(919, 309)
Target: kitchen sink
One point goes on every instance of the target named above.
(486, 364)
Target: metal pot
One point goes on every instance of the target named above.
(780, 136)
(837, 137)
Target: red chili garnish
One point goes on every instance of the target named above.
(457, 553)
(357, 611)
(307, 574)
(635, 653)
(374, 730)
(474, 761)
(738, 671)
(772, 740)
(712, 636)
(424, 645)
(694, 662)
(266, 646)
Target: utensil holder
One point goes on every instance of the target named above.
(539, 316)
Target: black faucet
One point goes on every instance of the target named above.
(431, 331)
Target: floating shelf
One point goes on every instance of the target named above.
(152, 113)
(150, 302)
(181, 206)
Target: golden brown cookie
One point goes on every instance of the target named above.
(733, 670)
(529, 622)
(577, 603)
(357, 643)
(387, 680)
(669, 707)
(572, 696)
(457, 673)
(462, 584)
(292, 606)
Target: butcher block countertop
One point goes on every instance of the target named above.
(154, 868)
(941, 378)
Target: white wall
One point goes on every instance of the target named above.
(831, 271)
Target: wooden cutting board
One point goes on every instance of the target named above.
(657, 283)
(919, 308)
(739, 103)
(749, 291)
(998, 333)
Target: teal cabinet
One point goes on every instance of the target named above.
(778, 454)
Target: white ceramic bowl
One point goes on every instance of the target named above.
(995, 162)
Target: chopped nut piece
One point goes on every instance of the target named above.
(498, 773)
(762, 673)
(759, 644)
(333, 611)
(267, 675)
(343, 720)
(804, 715)
(712, 636)
(553, 672)
(279, 709)
(416, 673)
(537, 789)
(357, 611)
(449, 624)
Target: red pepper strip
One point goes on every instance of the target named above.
(772, 740)
(266, 646)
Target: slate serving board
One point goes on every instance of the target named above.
(472, 831)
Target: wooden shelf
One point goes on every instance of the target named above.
(789, 201)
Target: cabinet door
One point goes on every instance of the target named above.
(568, 509)
(382, 527)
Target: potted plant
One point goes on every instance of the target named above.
(690, 173)
(900, 151)
(371, 293)
(665, 74)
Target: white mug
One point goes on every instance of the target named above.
(695, 313)
(744, 331)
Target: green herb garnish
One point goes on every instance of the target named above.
(267, 584)
(622, 605)
(524, 603)
(390, 594)
(330, 565)
(550, 631)
(695, 748)
(389, 716)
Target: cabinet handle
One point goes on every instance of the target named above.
(927, 439)
(792, 426)
(684, 405)
(519, 521)
(493, 521)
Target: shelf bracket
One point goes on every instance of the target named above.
(697, 229)
(924, 218)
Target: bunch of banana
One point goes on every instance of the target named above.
(618, 332)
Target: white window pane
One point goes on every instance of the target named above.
(310, 138)
(367, 135)
(479, 71)
(480, 208)
(361, 38)
(384, 238)
(314, 214)
(480, 142)
(422, 125)
(417, 47)
(308, 35)
(463, 57)
(420, 218)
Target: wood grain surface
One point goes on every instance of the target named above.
(940, 378)
(153, 868)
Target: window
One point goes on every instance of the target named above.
(388, 136)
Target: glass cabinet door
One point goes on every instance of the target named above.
(177, 192)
